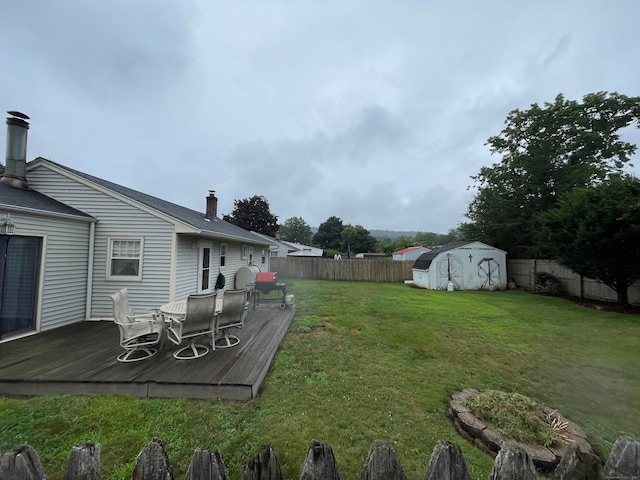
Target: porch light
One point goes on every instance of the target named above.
(7, 227)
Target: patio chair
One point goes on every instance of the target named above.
(234, 312)
(198, 321)
(139, 333)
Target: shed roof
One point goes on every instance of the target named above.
(407, 250)
(186, 215)
(423, 262)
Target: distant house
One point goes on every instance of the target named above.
(410, 253)
(68, 240)
(276, 247)
(461, 266)
(299, 250)
(371, 255)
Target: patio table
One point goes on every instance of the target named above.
(178, 309)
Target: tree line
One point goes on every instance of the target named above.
(333, 236)
(559, 191)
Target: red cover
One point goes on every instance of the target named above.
(266, 277)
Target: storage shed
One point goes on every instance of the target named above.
(467, 265)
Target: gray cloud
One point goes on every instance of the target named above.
(376, 112)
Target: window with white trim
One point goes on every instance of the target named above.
(223, 255)
(245, 252)
(125, 259)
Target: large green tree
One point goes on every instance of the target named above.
(295, 229)
(547, 151)
(253, 214)
(596, 232)
(357, 239)
(329, 234)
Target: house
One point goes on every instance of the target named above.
(276, 247)
(299, 250)
(371, 255)
(409, 253)
(461, 266)
(68, 240)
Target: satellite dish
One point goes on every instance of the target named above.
(18, 114)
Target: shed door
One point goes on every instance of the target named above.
(449, 270)
(489, 273)
(19, 272)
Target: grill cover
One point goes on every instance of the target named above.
(265, 277)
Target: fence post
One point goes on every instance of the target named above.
(22, 462)
(264, 466)
(511, 463)
(447, 463)
(624, 461)
(206, 465)
(153, 463)
(84, 462)
(320, 463)
(382, 463)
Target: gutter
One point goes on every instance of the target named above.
(92, 240)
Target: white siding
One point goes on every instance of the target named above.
(467, 258)
(65, 247)
(116, 218)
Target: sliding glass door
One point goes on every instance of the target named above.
(19, 273)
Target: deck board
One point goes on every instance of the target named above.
(81, 359)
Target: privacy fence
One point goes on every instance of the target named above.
(359, 269)
(447, 462)
(523, 272)
(389, 271)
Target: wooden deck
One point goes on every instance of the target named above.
(80, 359)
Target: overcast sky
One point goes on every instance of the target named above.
(376, 112)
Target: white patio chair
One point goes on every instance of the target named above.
(198, 321)
(234, 313)
(139, 333)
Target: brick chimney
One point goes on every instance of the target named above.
(212, 205)
(15, 169)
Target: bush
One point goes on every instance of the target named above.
(548, 282)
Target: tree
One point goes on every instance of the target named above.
(295, 229)
(329, 234)
(595, 231)
(357, 239)
(253, 214)
(547, 151)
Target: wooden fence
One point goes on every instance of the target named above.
(524, 271)
(390, 271)
(447, 462)
(356, 269)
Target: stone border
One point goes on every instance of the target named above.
(484, 437)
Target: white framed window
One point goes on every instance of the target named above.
(223, 255)
(204, 269)
(124, 259)
(245, 252)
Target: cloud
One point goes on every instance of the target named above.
(376, 112)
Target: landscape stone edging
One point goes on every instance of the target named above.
(481, 435)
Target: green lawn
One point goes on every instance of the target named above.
(365, 362)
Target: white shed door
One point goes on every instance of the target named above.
(449, 270)
(489, 273)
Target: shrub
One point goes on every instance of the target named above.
(548, 282)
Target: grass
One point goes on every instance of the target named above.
(513, 416)
(365, 362)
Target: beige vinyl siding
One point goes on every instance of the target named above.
(65, 247)
(187, 267)
(116, 218)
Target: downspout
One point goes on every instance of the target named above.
(92, 239)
